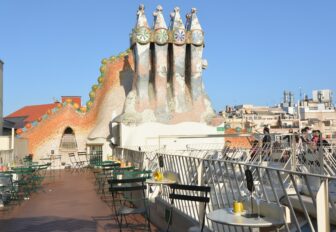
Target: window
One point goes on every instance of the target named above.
(68, 141)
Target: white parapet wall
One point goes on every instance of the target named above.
(174, 137)
(5, 142)
(12, 149)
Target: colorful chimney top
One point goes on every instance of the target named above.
(194, 27)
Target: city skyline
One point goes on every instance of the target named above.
(255, 50)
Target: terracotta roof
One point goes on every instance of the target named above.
(31, 113)
(241, 142)
(74, 99)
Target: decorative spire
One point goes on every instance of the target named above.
(188, 19)
(176, 20)
(141, 20)
(193, 21)
(159, 21)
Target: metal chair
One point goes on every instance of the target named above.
(129, 198)
(75, 164)
(101, 178)
(83, 159)
(190, 193)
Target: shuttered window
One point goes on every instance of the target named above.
(68, 141)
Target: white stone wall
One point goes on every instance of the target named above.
(173, 136)
(54, 144)
(320, 115)
(20, 147)
(5, 142)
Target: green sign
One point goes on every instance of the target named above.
(220, 129)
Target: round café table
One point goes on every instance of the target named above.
(164, 181)
(227, 217)
(160, 183)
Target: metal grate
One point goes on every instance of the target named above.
(68, 142)
(96, 154)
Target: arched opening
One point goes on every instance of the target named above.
(68, 141)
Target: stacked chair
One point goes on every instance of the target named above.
(83, 160)
(7, 191)
(19, 183)
(76, 165)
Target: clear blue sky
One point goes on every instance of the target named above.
(255, 49)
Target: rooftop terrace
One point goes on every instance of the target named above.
(67, 202)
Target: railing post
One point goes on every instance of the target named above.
(320, 157)
(12, 139)
(145, 160)
(122, 154)
(293, 153)
(322, 201)
(200, 181)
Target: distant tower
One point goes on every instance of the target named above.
(285, 100)
(291, 98)
(142, 56)
(1, 96)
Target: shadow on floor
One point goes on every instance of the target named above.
(134, 224)
(47, 224)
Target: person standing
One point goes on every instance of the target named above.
(288, 138)
(266, 142)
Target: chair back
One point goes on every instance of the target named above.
(110, 166)
(82, 156)
(72, 157)
(5, 179)
(131, 172)
(193, 193)
(126, 185)
(133, 189)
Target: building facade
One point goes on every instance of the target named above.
(154, 88)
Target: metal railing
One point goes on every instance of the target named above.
(296, 156)
(294, 189)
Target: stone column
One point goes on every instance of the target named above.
(142, 56)
(160, 60)
(178, 61)
(196, 50)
